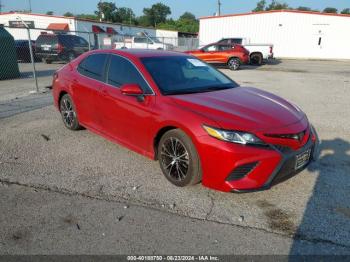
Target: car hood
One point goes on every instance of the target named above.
(242, 108)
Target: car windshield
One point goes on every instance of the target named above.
(184, 75)
(156, 40)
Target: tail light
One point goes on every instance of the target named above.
(59, 48)
(271, 49)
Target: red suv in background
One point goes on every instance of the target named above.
(232, 55)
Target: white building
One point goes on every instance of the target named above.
(42, 23)
(294, 34)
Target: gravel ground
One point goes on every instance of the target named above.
(37, 152)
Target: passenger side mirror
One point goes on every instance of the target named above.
(133, 90)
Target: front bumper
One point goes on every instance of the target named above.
(286, 168)
(274, 165)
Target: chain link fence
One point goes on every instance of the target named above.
(29, 57)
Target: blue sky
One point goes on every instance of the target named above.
(198, 7)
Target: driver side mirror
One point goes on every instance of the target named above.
(133, 90)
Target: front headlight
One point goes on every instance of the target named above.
(233, 136)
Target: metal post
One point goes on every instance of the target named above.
(89, 41)
(32, 60)
(31, 56)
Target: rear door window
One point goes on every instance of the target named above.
(93, 66)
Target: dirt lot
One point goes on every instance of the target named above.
(43, 161)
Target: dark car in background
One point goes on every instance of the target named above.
(23, 52)
(60, 47)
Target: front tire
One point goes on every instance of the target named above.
(178, 159)
(68, 113)
(234, 64)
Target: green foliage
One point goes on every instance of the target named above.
(345, 11)
(87, 16)
(157, 14)
(124, 15)
(106, 11)
(331, 10)
(68, 14)
(188, 16)
(186, 23)
(303, 8)
(275, 5)
(49, 12)
(260, 6)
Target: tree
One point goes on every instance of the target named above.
(188, 16)
(303, 8)
(49, 12)
(277, 6)
(87, 16)
(331, 10)
(260, 6)
(345, 11)
(68, 14)
(106, 10)
(157, 14)
(124, 15)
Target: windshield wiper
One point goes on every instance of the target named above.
(199, 90)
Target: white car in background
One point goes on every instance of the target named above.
(141, 42)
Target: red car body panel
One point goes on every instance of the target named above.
(222, 56)
(136, 125)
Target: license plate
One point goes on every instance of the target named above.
(46, 48)
(302, 159)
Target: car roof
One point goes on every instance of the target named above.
(140, 53)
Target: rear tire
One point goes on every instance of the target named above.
(178, 159)
(68, 113)
(256, 59)
(234, 64)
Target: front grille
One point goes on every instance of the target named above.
(298, 136)
(283, 149)
(241, 171)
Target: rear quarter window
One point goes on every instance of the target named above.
(93, 66)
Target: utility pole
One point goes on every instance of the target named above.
(1, 6)
(219, 7)
(30, 6)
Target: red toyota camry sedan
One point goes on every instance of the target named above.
(200, 124)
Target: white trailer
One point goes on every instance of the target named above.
(294, 34)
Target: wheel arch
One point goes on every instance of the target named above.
(256, 58)
(231, 57)
(167, 127)
(60, 95)
(256, 53)
(159, 135)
